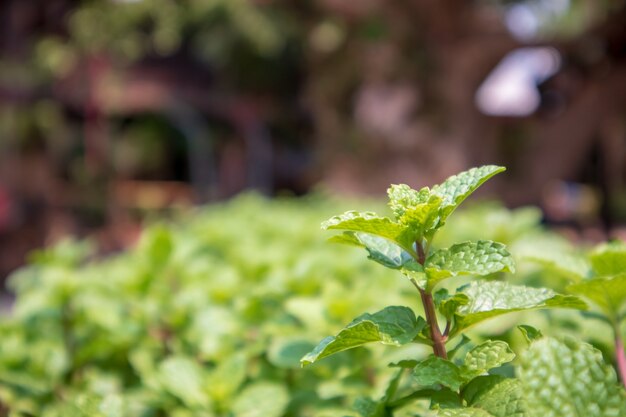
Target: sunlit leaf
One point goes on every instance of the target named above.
(488, 355)
(555, 255)
(387, 253)
(391, 326)
(489, 299)
(468, 258)
(569, 378)
(372, 224)
(422, 218)
(402, 197)
(500, 396)
(458, 187)
(182, 377)
(609, 259)
(609, 293)
(463, 412)
(261, 399)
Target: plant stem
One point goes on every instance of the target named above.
(421, 254)
(439, 346)
(619, 354)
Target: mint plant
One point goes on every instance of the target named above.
(456, 385)
(600, 277)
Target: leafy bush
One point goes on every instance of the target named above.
(554, 377)
(206, 316)
(210, 314)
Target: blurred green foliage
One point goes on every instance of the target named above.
(209, 315)
(200, 318)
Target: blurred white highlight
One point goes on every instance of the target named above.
(511, 88)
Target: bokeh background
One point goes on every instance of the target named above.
(112, 111)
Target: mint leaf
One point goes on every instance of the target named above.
(459, 346)
(450, 305)
(554, 254)
(458, 187)
(488, 355)
(347, 238)
(261, 399)
(393, 325)
(183, 378)
(402, 197)
(422, 217)
(500, 396)
(608, 293)
(405, 363)
(223, 382)
(530, 333)
(609, 259)
(493, 298)
(569, 378)
(367, 407)
(286, 353)
(444, 398)
(437, 371)
(381, 250)
(373, 224)
(468, 258)
(387, 253)
(463, 412)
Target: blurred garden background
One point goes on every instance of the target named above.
(165, 166)
(111, 110)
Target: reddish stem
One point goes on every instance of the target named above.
(439, 341)
(439, 345)
(620, 356)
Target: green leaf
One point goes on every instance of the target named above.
(437, 371)
(225, 380)
(287, 353)
(393, 325)
(569, 378)
(459, 346)
(500, 396)
(468, 258)
(530, 333)
(608, 293)
(182, 377)
(493, 298)
(372, 224)
(422, 217)
(444, 398)
(458, 187)
(405, 363)
(387, 253)
(392, 387)
(488, 355)
(555, 255)
(261, 399)
(367, 407)
(463, 412)
(609, 259)
(382, 251)
(450, 305)
(158, 244)
(347, 238)
(402, 197)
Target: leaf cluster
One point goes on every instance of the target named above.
(208, 315)
(472, 385)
